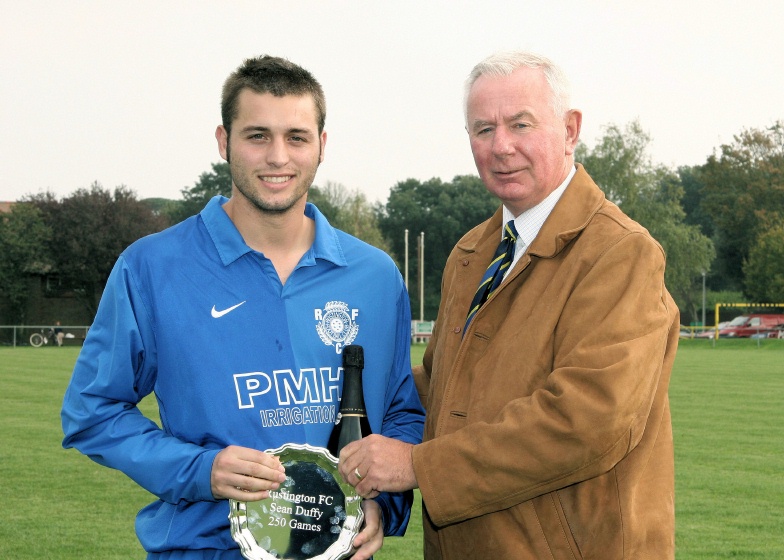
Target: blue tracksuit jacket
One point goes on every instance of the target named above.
(234, 358)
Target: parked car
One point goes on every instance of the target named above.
(763, 325)
(709, 332)
(776, 331)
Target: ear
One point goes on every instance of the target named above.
(223, 142)
(573, 122)
(323, 141)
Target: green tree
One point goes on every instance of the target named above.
(444, 212)
(195, 198)
(91, 228)
(25, 242)
(163, 206)
(742, 192)
(350, 212)
(692, 182)
(328, 200)
(651, 194)
(764, 268)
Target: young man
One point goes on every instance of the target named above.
(548, 431)
(236, 319)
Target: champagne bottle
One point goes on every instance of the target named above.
(352, 423)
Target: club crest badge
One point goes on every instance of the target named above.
(336, 324)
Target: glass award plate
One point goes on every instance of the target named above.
(314, 515)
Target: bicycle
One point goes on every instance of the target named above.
(38, 339)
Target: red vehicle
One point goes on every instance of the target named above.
(764, 325)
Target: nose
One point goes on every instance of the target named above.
(502, 142)
(278, 153)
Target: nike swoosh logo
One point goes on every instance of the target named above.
(217, 314)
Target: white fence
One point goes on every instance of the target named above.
(19, 335)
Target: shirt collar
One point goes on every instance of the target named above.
(231, 246)
(531, 221)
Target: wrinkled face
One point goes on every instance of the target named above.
(274, 149)
(522, 150)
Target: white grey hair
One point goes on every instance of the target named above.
(504, 63)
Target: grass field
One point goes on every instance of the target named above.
(727, 411)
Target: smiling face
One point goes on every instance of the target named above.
(522, 149)
(274, 150)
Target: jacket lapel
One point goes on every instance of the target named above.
(579, 203)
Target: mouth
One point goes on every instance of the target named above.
(276, 178)
(503, 173)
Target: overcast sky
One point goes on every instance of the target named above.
(127, 92)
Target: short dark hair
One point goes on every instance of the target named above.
(275, 75)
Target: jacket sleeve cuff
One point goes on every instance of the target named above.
(395, 512)
(204, 478)
(426, 487)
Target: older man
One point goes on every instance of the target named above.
(548, 431)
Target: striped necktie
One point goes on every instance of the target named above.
(495, 272)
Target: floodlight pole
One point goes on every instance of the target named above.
(422, 276)
(405, 237)
(703, 298)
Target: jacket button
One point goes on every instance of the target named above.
(457, 330)
(465, 262)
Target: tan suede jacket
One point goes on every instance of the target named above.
(548, 432)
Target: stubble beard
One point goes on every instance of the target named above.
(244, 183)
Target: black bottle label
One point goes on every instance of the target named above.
(352, 423)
